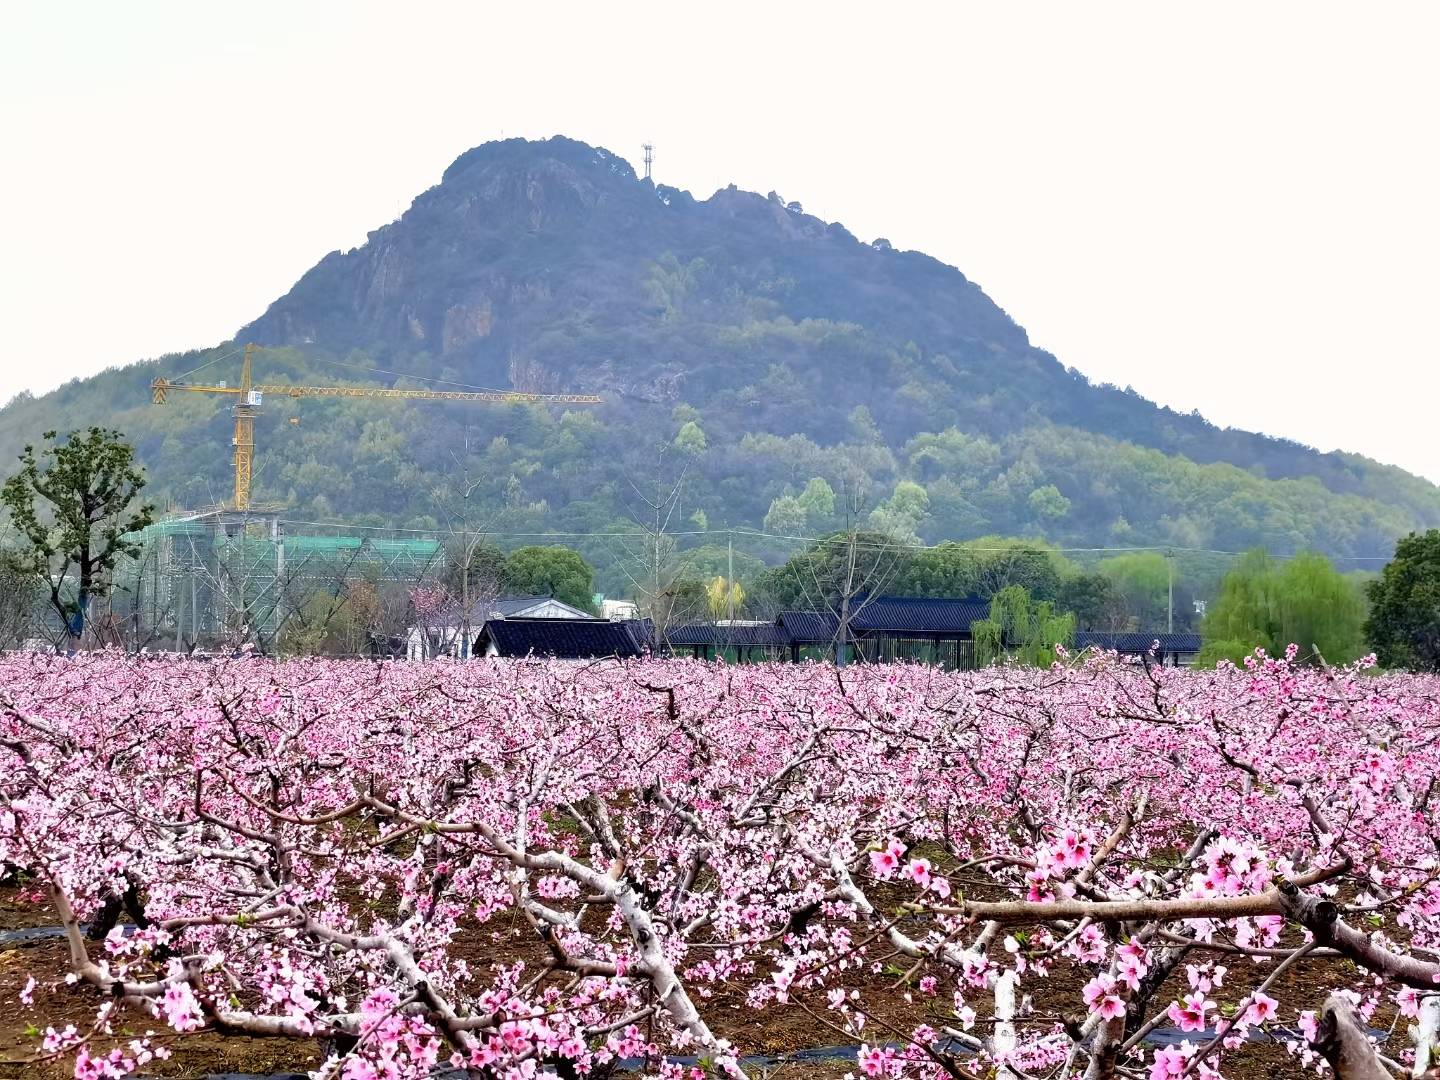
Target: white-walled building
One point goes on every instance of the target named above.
(447, 635)
(619, 610)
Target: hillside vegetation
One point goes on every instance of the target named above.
(781, 363)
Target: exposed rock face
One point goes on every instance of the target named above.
(550, 266)
(520, 235)
(465, 323)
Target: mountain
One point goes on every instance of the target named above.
(782, 359)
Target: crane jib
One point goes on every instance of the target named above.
(161, 387)
(252, 395)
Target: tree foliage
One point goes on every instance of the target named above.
(1404, 623)
(1021, 629)
(780, 352)
(551, 571)
(71, 504)
(724, 597)
(1095, 601)
(841, 566)
(1272, 604)
(479, 561)
(325, 624)
(1142, 581)
(984, 566)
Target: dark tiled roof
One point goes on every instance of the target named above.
(1134, 644)
(807, 626)
(925, 616)
(890, 615)
(565, 638)
(710, 634)
(509, 605)
(691, 634)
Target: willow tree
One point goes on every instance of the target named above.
(724, 597)
(1272, 604)
(1021, 630)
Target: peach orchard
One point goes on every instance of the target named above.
(297, 850)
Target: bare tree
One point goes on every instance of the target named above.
(392, 618)
(841, 575)
(650, 558)
(468, 550)
(141, 608)
(268, 603)
(434, 619)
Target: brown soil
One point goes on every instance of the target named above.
(775, 1031)
(59, 1004)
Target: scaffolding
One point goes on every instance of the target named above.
(223, 578)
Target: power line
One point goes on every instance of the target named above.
(758, 534)
(213, 360)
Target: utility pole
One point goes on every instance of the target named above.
(730, 575)
(244, 440)
(1170, 606)
(195, 597)
(649, 158)
(179, 594)
(842, 645)
(277, 538)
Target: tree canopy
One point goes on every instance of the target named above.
(1404, 623)
(840, 567)
(1021, 629)
(551, 571)
(775, 353)
(1095, 601)
(1142, 581)
(984, 566)
(71, 504)
(1272, 604)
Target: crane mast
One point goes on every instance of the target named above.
(249, 396)
(244, 440)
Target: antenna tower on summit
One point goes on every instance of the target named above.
(649, 157)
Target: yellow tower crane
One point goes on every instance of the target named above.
(250, 394)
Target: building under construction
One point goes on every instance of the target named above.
(242, 574)
(224, 578)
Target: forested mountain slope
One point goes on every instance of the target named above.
(779, 349)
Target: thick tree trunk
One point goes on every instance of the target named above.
(1343, 1042)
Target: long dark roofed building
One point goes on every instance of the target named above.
(936, 631)
(562, 638)
(933, 630)
(750, 641)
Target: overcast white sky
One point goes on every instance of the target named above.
(1229, 206)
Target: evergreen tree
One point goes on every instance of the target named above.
(551, 571)
(1094, 600)
(1404, 623)
(70, 502)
